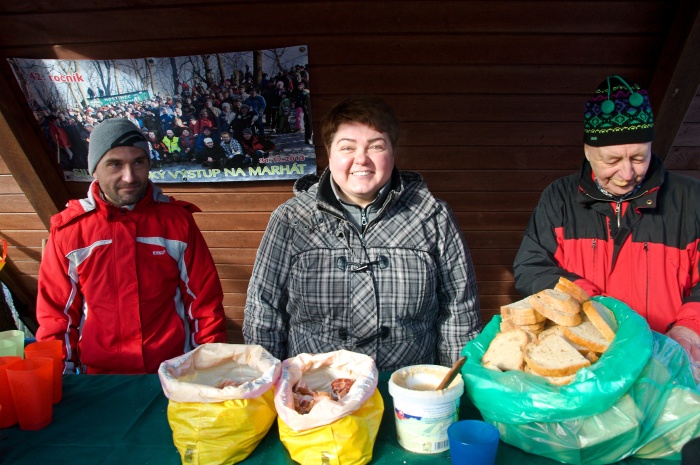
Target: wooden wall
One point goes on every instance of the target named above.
(490, 95)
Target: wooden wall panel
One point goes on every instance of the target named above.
(490, 95)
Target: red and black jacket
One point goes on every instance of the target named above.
(642, 251)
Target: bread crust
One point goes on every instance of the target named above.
(522, 313)
(555, 380)
(574, 290)
(591, 310)
(590, 343)
(539, 355)
(552, 313)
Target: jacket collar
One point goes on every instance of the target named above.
(324, 191)
(589, 192)
(94, 200)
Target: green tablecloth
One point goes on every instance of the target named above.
(121, 419)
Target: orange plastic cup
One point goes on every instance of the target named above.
(9, 417)
(31, 383)
(53, 350)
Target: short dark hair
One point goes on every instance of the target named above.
(369, 110)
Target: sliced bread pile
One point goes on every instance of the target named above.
(553, 334)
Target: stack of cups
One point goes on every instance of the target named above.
(30, 387)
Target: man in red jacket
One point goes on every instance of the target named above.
(623, 226)
(126, 280)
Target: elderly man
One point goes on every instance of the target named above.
(364, 258)
(126, 280)
(623, 226)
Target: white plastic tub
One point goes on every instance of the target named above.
(423, 414)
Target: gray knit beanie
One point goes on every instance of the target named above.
(112, 133)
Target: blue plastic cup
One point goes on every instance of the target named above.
(473, 442)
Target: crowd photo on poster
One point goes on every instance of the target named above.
(239, 116)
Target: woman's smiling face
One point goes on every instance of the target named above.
(361, 160)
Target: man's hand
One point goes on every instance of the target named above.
(690, 340)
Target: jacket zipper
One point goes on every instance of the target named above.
(594, 244)
(646, 281)
(618, 209)
(363, 222)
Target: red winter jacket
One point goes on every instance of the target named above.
(127, 289)
(650, 260)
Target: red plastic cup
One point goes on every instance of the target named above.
(9, 417)
(53, 350)
(31, 383)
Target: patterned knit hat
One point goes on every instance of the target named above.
(618, 113)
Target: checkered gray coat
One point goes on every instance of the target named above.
(404, 292)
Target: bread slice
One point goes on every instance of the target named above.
(536, 327)
(559, 307)
(560, 301)
(602, 318)
(521, 313)
(586, 335)
(592, 356)
(554, 356)
(574, 290)
(558, 330)
(506, 351)
(556, 380)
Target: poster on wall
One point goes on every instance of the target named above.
(223, 117)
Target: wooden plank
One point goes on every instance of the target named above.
(314, 18)
(25, 220)
(491, 180)
(637, 49)
(232, 222)
(423, 106)
(499, 256)
(677, 76)
(8, 185)
(688, 135)
(238, 256)
(234, 201)
(22, 253)
(237, 286)
(481, 157)
(493, 273)
(683, 158)
(693, 114)
(26, 238)
(488, 201)
(30, 268)
(15, 203)
(503, 79)
(496, 288)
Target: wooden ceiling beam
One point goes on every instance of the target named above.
(677, 76)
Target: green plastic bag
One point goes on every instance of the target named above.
(637, 398)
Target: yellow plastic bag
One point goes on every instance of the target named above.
(339, 432)
(216, 425)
